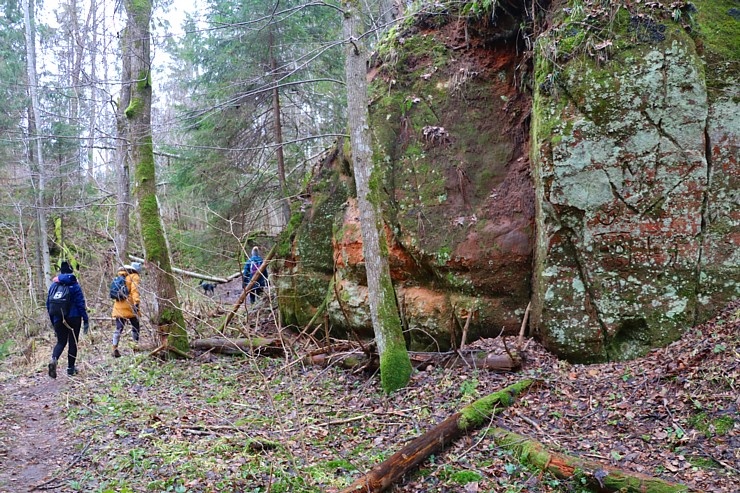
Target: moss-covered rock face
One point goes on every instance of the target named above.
(449, 130)
(624, 180)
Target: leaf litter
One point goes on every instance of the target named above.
(258, 424)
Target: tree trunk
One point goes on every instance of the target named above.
(36, 155)
(123, 157)
(471, 417)
(285, 206)
(395, 368)
(92, 106)
(257, 345)
(168, 317)
(602, 477)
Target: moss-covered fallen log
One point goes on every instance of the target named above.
(355, 358)
(435, 440)
(600, 477)
(255, 345)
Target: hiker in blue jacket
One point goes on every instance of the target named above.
(250, 270)
(65, 304)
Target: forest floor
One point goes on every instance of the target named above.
(253, 423)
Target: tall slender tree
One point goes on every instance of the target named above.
(36, 156)
(169, 317)
(395, 366)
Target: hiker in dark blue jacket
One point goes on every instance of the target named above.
(250, 270)
(65, 304)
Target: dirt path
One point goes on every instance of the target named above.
(35, 443)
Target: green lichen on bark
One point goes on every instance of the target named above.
(479, 412)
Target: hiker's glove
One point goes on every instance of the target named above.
(86, 327)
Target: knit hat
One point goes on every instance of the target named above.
(255, 251)
(65, 268)
(136, 266)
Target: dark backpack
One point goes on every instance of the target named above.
(118, 289)
(60, 300)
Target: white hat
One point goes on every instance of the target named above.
(136, 266)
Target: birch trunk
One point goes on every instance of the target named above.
(36, 156)
(395, 367)
(168, 316)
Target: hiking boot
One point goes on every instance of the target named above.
(53, 368)
(71, 371)
(116, 353)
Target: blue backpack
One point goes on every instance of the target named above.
(118, 289)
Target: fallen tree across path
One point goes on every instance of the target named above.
(435, 440)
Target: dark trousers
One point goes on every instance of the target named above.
(67, 332)
(120, 322)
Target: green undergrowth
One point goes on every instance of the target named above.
(240, 424)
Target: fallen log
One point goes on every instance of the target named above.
(454, 359)
(435, 440)
(190, 273)
(601, 477)
(255, 345)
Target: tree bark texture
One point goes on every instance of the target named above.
(256, 346)
(36, 156)
(123, 156)
(169, 318)
(602, 477)
(471, 417)
(395, 368)
(285, 206)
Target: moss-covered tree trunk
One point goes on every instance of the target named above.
(168, 316)
(395, 367)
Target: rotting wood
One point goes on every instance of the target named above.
(602, 477)
(435, 440)
(255, 345)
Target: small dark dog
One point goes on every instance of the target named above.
(207, 287)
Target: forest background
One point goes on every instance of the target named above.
(245, 102)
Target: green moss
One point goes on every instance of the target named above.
(395, 365)
(144, 81)
(479, 412)
(133, 108)
(719, 30)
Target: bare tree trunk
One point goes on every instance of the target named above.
(285, 206)
(37, 158)
(93, 106)
(395, 367)
(169, 318)
(123, 157)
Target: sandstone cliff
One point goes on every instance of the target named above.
(586, 160)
